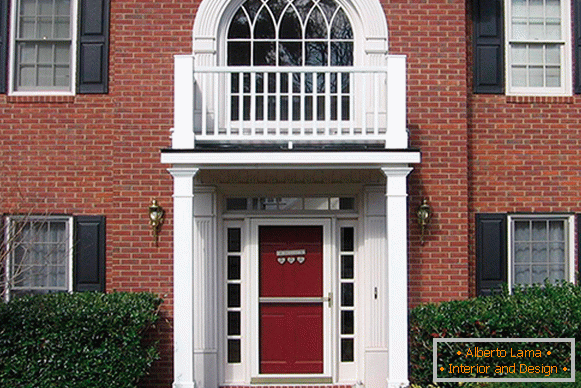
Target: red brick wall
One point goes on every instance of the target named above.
(432, 34)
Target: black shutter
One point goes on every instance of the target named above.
(89, 254)
(488, 46)
(3, 45)
(491, 252)
(577, 45)
(93, 46)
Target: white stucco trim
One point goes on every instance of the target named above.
(289, 160)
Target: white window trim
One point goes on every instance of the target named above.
(569, 237)
(566, 88)
(71, 91)
(33, 218)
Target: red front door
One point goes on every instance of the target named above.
(291, 307)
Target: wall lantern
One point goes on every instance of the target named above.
(155, 218)
(424, 214)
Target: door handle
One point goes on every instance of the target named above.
(329, 299)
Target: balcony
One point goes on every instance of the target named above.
(289, 105)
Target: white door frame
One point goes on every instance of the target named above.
(329, 270)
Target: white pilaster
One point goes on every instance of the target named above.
(183, 241)
(397, 135)
(183, 130)
(205, 289)
(397, 276)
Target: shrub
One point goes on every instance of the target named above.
(550, 311)
(76, 340)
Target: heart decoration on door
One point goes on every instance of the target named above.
(281, 260)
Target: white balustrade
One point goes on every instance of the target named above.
(290, 104)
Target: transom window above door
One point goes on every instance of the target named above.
(290, 33)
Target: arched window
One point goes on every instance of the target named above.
(290, 33)
(283, 33)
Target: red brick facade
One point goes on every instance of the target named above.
(100, 154)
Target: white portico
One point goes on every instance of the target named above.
(290, 163)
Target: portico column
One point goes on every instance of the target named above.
(183, 288)
(397, 275)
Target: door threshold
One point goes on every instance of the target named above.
(291, 380)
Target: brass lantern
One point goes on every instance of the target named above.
(424, 214)
(155, 218)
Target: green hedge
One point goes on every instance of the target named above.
(76, 340)
(551, 311)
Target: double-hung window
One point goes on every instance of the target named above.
(45, 254)
(523, 47)
(54, 47)
(523, 249)
(43, 55)
(538, 47)
(39, 253)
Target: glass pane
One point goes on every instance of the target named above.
(540, 273)
(341, 53)
(522, 274)
(553, 29)
(317, 26)
(556, 272)
(45, 76)
(63, 7)
(27, 28)
(264, 25)
(264, 54)
(557, 252)
(62, 28)
(45, 28)
(519, 30)
(539, 229)
(347, 268)
(290, 54)
(539, 253)
(45, 7)
(347, 239)
(233, 295)
(519, 76)
(62, 54)
(27, 7)
(347, 322)
(290, 27)
(276, 7)
(234, 351)
(553, 8)
(553, 77)
(238, 54)
(233, 267)
(521, 231)
(233, 322)
(316, 54)
(347, 350)
(252, 7)
(304, 7)
(347, 294)
(45, 54)
(519, 54)
(316, 204)
(234, 240)
(236, 204)
(522, 252)
(27, 76)
(239, 26)
(27, 53)
(341, 27)
(535, 54)
(556, 230)
(328, 7)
